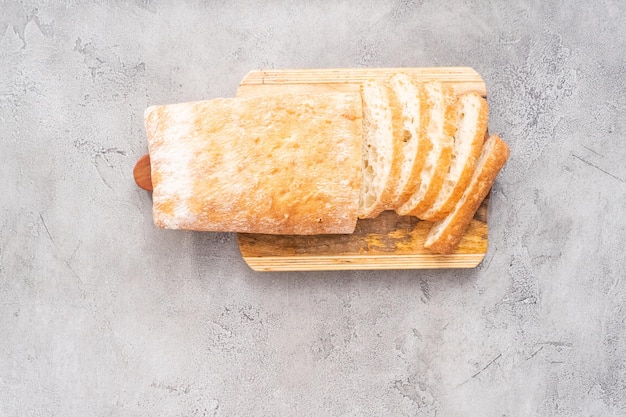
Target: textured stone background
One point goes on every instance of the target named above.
(102, 314)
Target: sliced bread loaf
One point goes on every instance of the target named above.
(471, 114)
(445, 235)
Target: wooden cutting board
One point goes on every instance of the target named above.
(387, 242)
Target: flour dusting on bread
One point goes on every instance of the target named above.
(285, 164)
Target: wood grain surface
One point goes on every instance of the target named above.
(387, 242)
(143, 173)
(462, 79)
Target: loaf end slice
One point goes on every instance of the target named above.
(446, 234)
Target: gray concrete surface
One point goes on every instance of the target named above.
(102, 314)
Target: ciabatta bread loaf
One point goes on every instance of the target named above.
(440, 132)
(314, 163)
(414, 142)
(284, 164)
(471, 115)
(382, 116)
(445, 235)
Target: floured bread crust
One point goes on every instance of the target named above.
(283, 164)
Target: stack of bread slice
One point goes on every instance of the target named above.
(426, 153)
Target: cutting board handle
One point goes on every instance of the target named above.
(142, 173)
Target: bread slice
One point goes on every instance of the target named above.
(445, 235)
(415, 144)
(440, 131)
(381, 152)
(472, 112)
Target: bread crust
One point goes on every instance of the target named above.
(284, 164)
(440, 209)
(445, 235)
